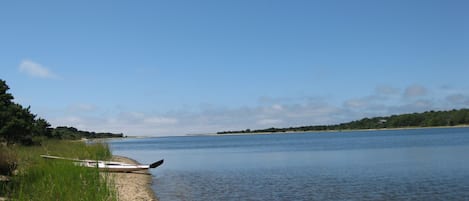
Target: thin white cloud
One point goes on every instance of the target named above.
(457, 98)
(385, 90)
(34, 69)
(277, 107)
(160, 120)
(269, 122)
(415, 91)
(415, 106)
(81, 108)
(357, 103)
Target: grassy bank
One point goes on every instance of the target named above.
(41, 179)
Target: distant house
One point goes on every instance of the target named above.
(383, 121)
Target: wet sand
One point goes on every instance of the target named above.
(133, 186)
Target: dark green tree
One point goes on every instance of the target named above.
(18, 124)
(42, 128)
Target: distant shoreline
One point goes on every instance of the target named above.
(333, 131)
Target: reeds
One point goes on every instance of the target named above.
(41, 179)
(7, 161)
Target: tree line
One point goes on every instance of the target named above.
(19, 125)
(64, 132)
(425, 119)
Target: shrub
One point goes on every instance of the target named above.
(8, 161)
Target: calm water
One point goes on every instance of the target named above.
(426, 164)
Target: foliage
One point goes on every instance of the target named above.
(19, 125)
(8, 161)
(426, 119)
(43, 179)
(73, 133)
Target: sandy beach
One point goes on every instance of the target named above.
(133, 186)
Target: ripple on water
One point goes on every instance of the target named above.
(306, 185)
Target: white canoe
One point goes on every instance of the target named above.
(110, 166)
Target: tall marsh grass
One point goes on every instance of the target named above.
(7, 161)
(42, 179)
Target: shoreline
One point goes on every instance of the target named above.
(132, 186)
(338, 131)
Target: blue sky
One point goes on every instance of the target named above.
(158, 68)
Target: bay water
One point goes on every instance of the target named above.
(420, 164)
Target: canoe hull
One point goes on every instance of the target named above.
(108, 166)
(122, 169)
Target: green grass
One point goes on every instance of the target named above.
(45, 179)
(7, 160)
